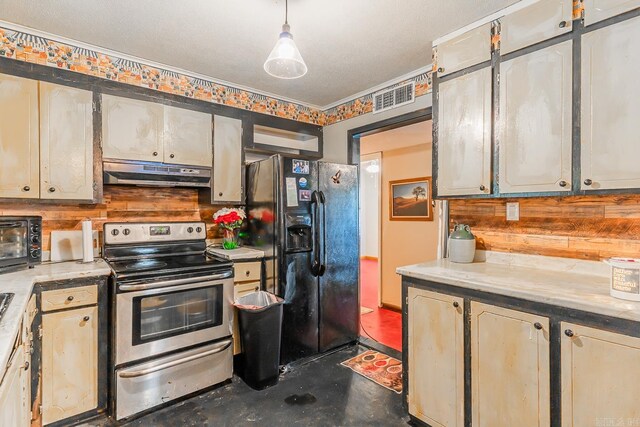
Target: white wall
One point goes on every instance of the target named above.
(335, 135)
(370, 205)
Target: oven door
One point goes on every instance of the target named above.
(14, 246)
(158, 317)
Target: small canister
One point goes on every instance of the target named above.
(462, 244)
(625, 278)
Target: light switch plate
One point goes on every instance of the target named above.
(513, 211)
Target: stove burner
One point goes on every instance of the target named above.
(145, 264)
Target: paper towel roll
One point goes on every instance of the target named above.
(87, 241)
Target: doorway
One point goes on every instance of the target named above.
(386, 154)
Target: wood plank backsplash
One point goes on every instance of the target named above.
(121, 203)
(585, 227)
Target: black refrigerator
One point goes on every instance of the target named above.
(304, 215)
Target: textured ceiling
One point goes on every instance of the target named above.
(349, 45)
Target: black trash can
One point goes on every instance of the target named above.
(260, 322)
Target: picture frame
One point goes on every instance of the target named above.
(410, 199)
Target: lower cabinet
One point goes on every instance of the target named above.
(509, 367)
(15, 382)
(436, 358)
(491, 366)
(69, 363)
(600, 377)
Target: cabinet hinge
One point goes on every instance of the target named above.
(406, 300)
(40, 332)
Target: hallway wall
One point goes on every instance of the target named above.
(406, 153)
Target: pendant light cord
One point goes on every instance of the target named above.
(286, 11)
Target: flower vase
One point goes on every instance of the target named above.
(229, 238)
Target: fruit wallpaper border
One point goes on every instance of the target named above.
(30, 48)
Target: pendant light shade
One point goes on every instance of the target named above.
(285, 61)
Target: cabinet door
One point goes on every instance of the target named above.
(187, 137)
(69, 363)
(466, 50)
(227, 160)
(66, 142)
(534, 127)
(600, 377)
(14, 405)
(533, 24)
(598, 10)
(436, 358)
(19, 145)
(464, 135)
(610, 107)
(509, 367)
(131, 129)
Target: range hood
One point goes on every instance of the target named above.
(155, 174)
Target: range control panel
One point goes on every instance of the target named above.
(123, 232)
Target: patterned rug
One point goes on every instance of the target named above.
(379, 368)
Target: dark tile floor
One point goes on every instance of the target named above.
(318, 393)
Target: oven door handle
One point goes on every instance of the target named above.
(164, 284)
(10, 224)
(142, 372)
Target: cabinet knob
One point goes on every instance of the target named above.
(563, 24)
(482, 188)
(537, 325)
(51, 189)
(86, 318)
(440, 70)
(568, 332)
(70, 298)
(562, 183)
(588, 182)
(26, 366)
(26, 188)
(247, 273)
(171, 155)
(155, 153)
(220, 194)
(456, 304)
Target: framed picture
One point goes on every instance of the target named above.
(410, 200)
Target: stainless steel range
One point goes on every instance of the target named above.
(172, 311)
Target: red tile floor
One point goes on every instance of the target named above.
(382, 325)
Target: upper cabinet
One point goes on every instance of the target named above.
(132, 129)
(148, 131)
(464, 135)
(598, 10)
(610, 107)
(535, 23)
(187, 137)
(466, 50)
(66, 142)
(19, 139)
(534, 125)
(227, 160)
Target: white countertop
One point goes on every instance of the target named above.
(20, 283)
(580, 285)
(242, 253)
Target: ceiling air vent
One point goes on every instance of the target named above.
(392, 98)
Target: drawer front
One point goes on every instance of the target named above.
(245, 288)
(59, 299)
(145, 386)
(247, 271)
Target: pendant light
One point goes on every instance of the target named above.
(285, 61)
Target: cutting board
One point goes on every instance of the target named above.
(67, 245)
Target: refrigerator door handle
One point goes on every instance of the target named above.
(323, 231)
(315, 247)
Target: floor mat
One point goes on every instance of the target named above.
(365, 310)
(379, 368)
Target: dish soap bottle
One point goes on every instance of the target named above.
(462, 244)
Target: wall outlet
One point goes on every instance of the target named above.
(513, 211)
